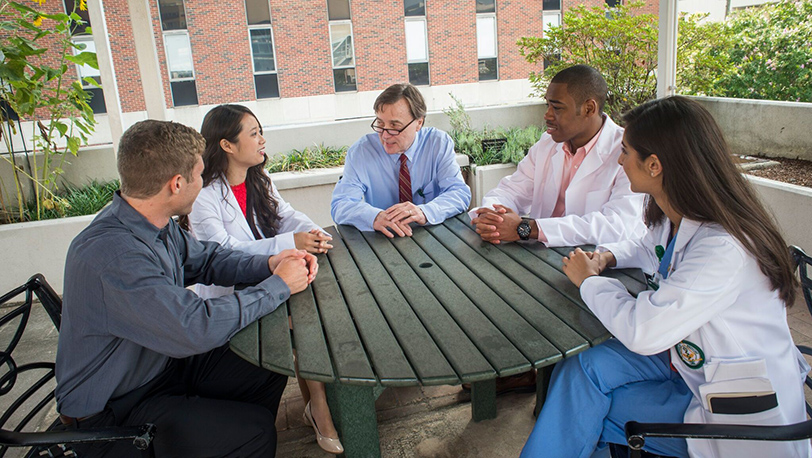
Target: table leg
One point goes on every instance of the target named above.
(542, 383)
(483, 400)
(353, 411)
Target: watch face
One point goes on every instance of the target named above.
(523, 230)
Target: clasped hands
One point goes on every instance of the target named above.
(297, 268)
(314, 241)
(397, 219)
(580, 265)
(497, 225)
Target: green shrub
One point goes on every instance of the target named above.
(468, 141)
(319, 156)
(72, 201)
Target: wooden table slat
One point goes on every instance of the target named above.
(426, 359)
(553, 328)
(312, 353)
(385, 354)
(463, 356)
(499, 351)
(574, 315)
(534, 346)
(275, 348)
(246, 343)
(349, 359)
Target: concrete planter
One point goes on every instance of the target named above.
(790, 205)
(37, 247)
(483, 178)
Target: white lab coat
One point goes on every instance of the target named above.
(716, 298)
(600, 206)
(216, 216)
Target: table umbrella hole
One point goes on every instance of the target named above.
(426, 264)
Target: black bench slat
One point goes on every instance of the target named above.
(558, 332)
(499, 351)
(313, 356)
(349, 358)
(388, 361)
(534, 346)
(426, 359)
(577, 317)
(463, 356)
(276, 349)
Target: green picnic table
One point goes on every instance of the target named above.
(439, 308)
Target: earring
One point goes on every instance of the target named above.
(652, 174)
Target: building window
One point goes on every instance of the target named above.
(178, 52)
(417, 47)
(82, 39)
(613, 3)
(341, 46)
(260, 34)
(551, 17)
(486, 40)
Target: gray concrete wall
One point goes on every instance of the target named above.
(790, 205)
(763, 127)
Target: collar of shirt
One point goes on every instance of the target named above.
(132, 219)
(410, 152)
(589, 145)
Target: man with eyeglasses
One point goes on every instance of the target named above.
(402, 173)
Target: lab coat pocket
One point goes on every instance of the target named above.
(595, 200)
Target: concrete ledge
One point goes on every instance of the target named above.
(789, 205)
(763, 127)
(38, 247)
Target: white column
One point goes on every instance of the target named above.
(147, 55)
(667, 49)
(107, 70)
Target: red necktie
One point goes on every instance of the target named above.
(404, 181)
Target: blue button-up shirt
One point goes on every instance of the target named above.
(370, 181)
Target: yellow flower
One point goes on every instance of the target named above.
(40, 2)
(82, 5)
(38, 21)
(48, 204)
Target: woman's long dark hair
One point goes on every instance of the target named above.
(702, 183)
(225, 122)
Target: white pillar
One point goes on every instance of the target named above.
(667, 49)
(147, 55)
(107, 70)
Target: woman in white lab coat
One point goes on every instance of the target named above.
(709, 341)
(240, 208)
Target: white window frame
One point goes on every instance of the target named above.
(352, 41)
(422, 20)
(273, 49)
(166, 53)
(545, 23)
(82, 69)
(495, 36)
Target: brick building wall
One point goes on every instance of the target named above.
(221, 51)
(125, 61)
(452, 42)
(222, 56)
(516, 20)
(380, 44)
(302, 47)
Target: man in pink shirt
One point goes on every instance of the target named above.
(570, 185)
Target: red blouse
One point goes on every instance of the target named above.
(241, 195)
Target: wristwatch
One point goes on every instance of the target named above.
(524, 229)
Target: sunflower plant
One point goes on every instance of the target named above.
(37, 90)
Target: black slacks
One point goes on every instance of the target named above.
(211, 405)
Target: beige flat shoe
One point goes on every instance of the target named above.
(327, 444)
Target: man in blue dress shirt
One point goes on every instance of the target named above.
(368, 196)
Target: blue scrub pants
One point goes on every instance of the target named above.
(593, 395)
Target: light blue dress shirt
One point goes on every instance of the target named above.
(370, 181)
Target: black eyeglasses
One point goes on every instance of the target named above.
(392, 132)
